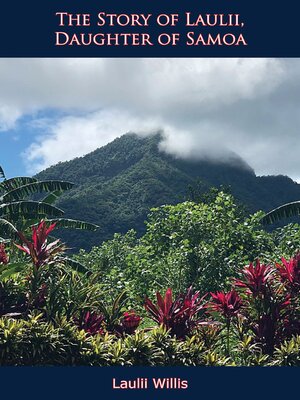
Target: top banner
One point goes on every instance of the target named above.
(145, 28)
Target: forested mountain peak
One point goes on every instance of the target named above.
(117, 184)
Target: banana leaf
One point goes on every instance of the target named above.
(36, 187)
(14, 183)
(52, 197)
(73, 224)
(283, 212)
(24, 208)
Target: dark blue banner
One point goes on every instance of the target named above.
(172, 28)
(97, 383)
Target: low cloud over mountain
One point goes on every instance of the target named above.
(203, 106)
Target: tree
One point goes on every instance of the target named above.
(18, 211)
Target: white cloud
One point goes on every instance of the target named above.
(74, 136)
(8, 116)
(250, 106)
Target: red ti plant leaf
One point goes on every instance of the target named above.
(91, 322)
(289, 272)
(270, 314)
(275, 324)
(164, 305)
(130, 322)
(180, 315)
(256, 278)
(38, 248)
(3, 255)
(227, 304)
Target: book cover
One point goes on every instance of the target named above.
(149, 198)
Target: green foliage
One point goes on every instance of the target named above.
(18, 211)
(288, 353)
(119, 183)
(287, 241)
(113, 313)
(69, 293)
(38, 343)
(188, 243)
(55, 311)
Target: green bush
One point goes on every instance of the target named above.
(35, 343)
(188, 243)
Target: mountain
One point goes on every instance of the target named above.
(117, 184)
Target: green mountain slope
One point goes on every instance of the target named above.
(117, 184)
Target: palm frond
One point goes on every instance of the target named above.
(287, 210)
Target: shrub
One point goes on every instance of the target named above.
(180, 316)
(35, 342)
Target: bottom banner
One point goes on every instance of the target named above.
(148, 383)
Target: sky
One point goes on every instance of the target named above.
(53, 110)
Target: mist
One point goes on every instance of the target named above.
(206, 108)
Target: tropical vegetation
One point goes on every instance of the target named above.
(117, 185)
(205, 285)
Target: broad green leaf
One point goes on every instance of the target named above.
(36, 187)
(14, 183)
(28, 208)
(73, 224)
(52, 197)
(285, 211)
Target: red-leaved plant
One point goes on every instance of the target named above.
(91, 322)
(94, 323)
(229, 306)
(289, 272)
(130, 322)
(180, 315)
(268, 311)
(256, 278)
(38, 248)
